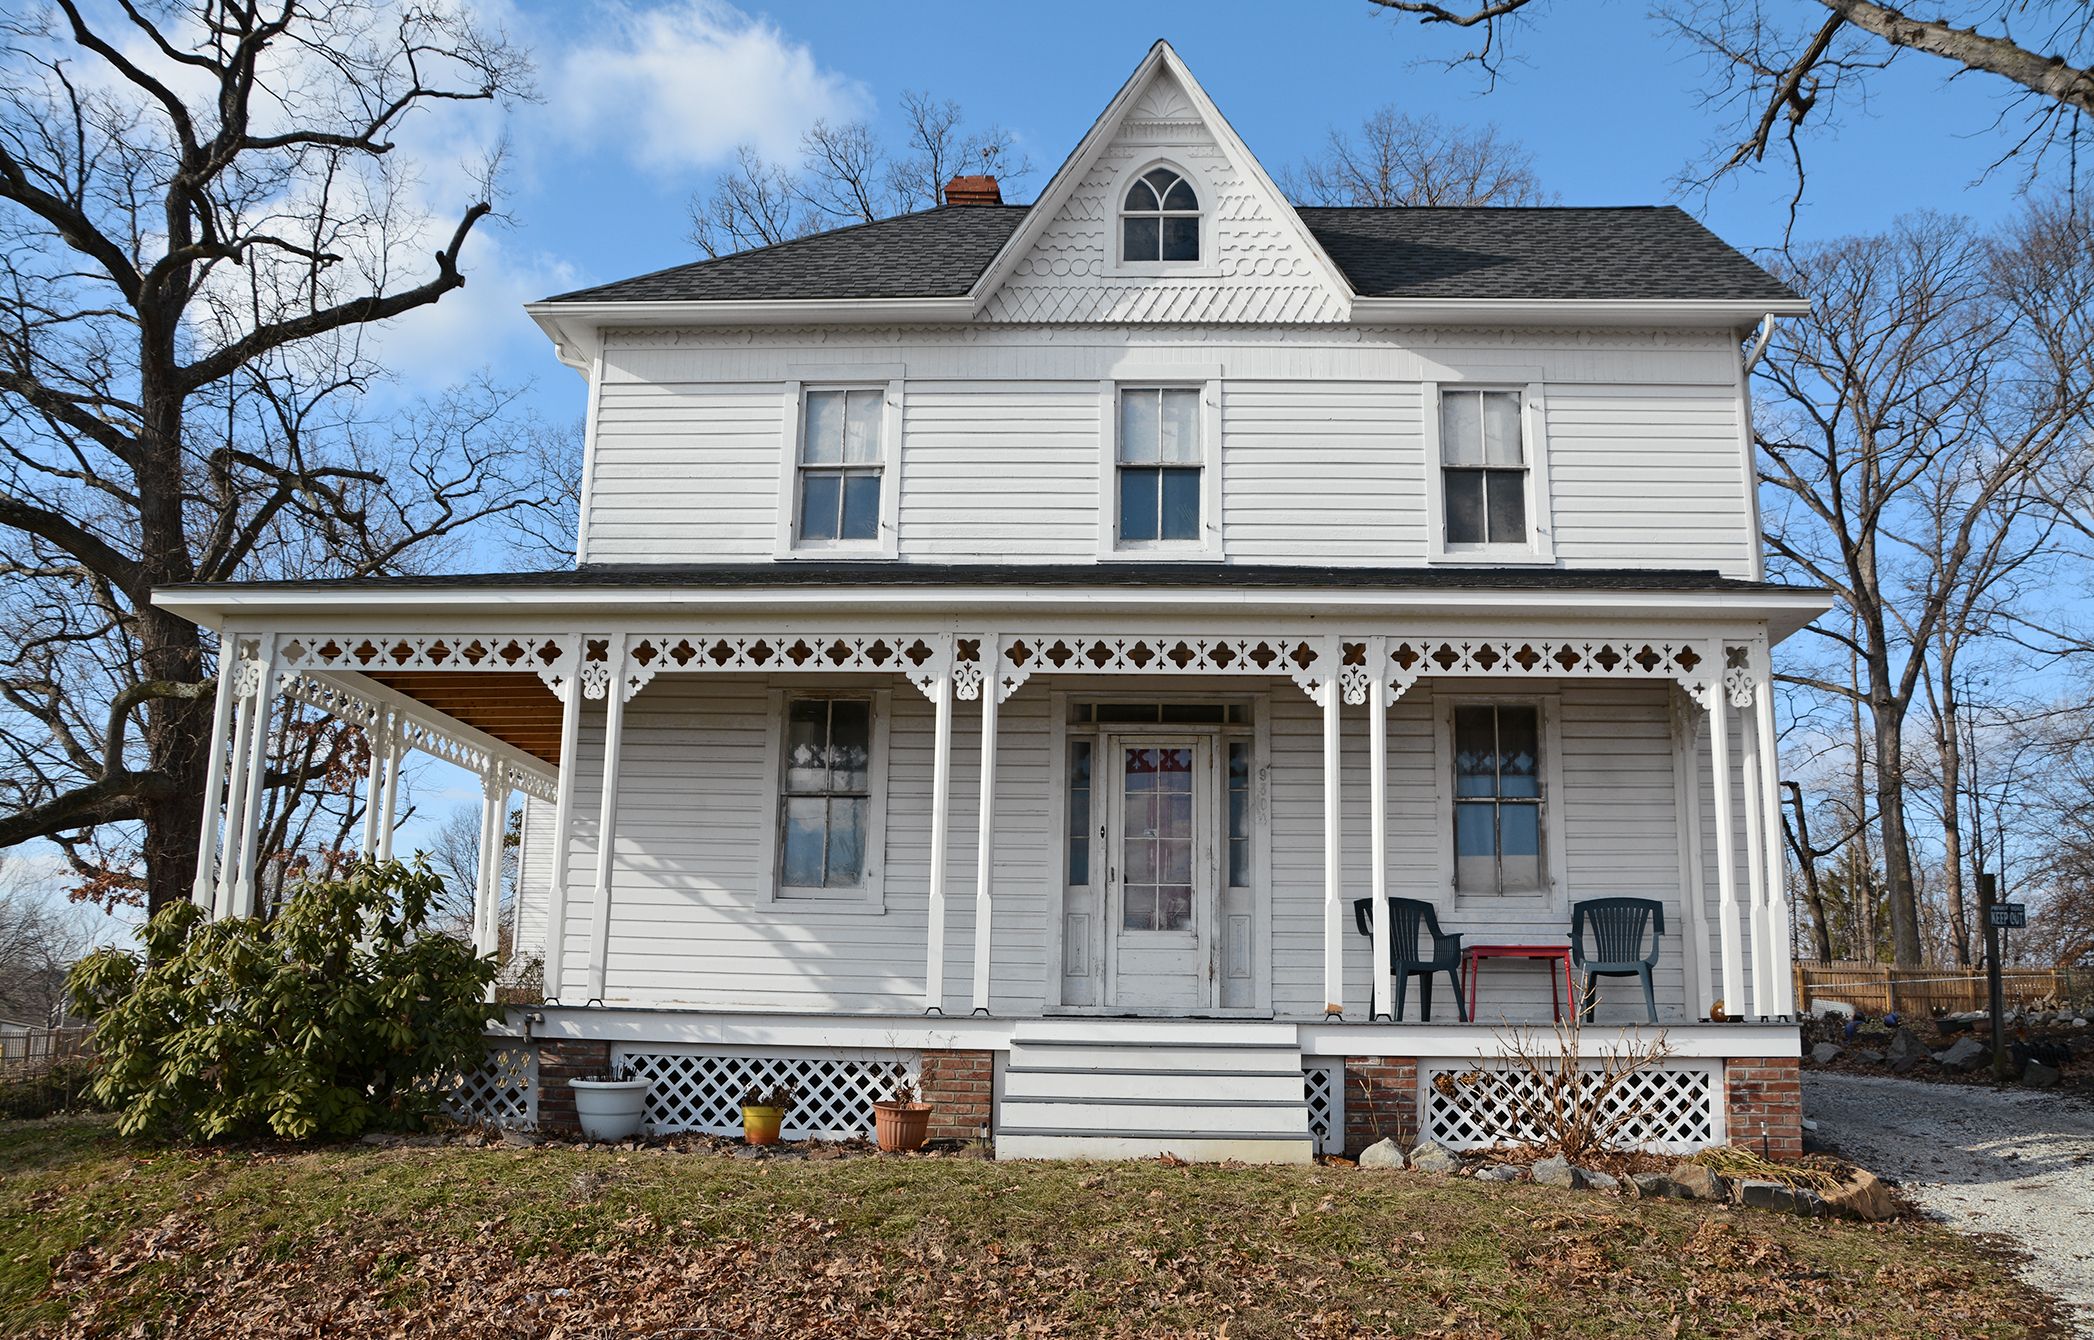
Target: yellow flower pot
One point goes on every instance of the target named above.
(760, 1124)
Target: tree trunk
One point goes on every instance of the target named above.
(1899, 888)
(170, 649)
(1952, 822)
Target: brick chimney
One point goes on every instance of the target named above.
(973, 191)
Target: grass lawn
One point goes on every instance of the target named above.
(99, 1236)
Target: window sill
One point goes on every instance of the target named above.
(1524, 558)
(869, 552)
(1180, 552)
(850, 902)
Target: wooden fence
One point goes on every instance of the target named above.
(25, 1053)
(1878, 988)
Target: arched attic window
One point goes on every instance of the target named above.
(1160, 218)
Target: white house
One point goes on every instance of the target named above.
(1004, 641)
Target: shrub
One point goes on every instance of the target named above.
(339, 1014)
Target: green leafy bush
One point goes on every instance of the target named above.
(339, 1014)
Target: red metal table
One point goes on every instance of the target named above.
(1473, 956)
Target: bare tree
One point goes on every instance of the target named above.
(40, 939)
(1920, 425)
(453, 851)
(1399, 159)
(1781, 70)
(846, 175)
(203, 221)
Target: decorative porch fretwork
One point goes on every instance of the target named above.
(1412, 658)
(1299, 658)
(550, 656)
(920, 656)
(344, 704)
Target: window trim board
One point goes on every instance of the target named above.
(870, 897)
(1208, 266)
(1540, 550)
(890, 380)
(1208, 381)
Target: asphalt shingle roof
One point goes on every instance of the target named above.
(1552, 253)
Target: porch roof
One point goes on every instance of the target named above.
(1179, 586)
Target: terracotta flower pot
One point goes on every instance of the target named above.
(760, 1124)
(901, 1126)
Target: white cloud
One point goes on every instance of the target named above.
(677, 88)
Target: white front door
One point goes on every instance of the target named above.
(1160, 871)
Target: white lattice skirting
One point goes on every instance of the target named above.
(1323, 1083)
(694, 1090)
(503, 1092)
(1468, 1104)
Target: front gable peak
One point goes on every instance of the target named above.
(1162, 215)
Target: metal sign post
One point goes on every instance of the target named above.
(1998, 916)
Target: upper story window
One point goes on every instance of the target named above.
(1160, 465)
(840, 468)
(1160, 218)
(1483, 468)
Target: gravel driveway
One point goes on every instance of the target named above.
(2010, 1162)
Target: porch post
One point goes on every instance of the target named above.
(244, 885)
(487, 886)
(563, 830)
(607, 818)
(941, 814)
(1755, 867)
(235, 797)
(389, 799)
(1726, 854)
(1333, 857)
(214, 778)
(1378, 826)
(1782, 1001)
(985, 860)
(379, 738)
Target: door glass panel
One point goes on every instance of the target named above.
(1239, 835)
(1079, 835)
(1157, 840)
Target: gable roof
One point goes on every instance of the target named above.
(1557, 253)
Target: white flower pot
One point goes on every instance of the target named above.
(610, 1109)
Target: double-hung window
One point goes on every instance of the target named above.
(1161, 461)
(1498, 798)
(840, 468)
(827, 800)
(1484, 466)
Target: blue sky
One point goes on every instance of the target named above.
(642, 104)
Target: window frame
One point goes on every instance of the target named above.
(1540, 544)
(1116, 247)
(1207, 545)
(885, 378)
(1550, 894)
(869, 895)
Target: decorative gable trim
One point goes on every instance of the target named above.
(1153, 113)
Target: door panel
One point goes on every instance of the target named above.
(1160, 882)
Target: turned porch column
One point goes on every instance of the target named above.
(1782, 1001)
(563, 826)
(1378, 824)
(389, 795)
(939, 688)
(259, 705)
(1333, 850)
(607, 817)
(1755, 867)
(1726, 852)
(202, 893)
(985, 858)
(487, 886)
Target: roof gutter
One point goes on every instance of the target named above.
(1571, 311)
(576, 328)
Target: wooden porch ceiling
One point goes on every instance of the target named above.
(514, 707)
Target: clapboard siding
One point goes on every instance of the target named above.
(534, 875)
(690, 925)
(1323, 439)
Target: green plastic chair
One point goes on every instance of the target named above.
(1617, 926)
(1407, 917)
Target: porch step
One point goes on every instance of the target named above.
(1202, 1090)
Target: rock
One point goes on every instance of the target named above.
(2079, 1021)
(1692, 1181)
(1381, 1154)
(1869, 1055)
(1596, 1180)
(1966, 1054)
(1825, 1053)
(1498, 1172)
(518, 1139)
(2038, 1075)
(1862, 1196)
(1558, 1172)
(1756, 1194)
(1654, 1185)
(1433, 1157)
(1810, 1204)
(1904, 1051)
